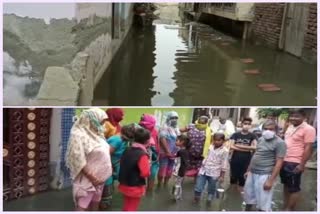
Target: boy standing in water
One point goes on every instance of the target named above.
(243, 144)
(181, 164)
(213, 168)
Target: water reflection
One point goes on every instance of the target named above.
(167, 42)
(197, 65)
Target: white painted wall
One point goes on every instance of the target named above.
(255, 117)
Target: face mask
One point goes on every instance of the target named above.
(268, 135)
(201, 126)
(174, 123)
(246, 127)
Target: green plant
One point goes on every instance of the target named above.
(281, 113)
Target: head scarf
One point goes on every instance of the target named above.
(171, 114)
(115, 116)
(172, 131)
(201, 126)
(149, 122)
(87, 133)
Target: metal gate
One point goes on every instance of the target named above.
(25, 152)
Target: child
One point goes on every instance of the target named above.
(181, 164)
(213, 168)
(118, 144)
(134, 169)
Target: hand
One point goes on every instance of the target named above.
(221, 179)
(268, 185)
(298, 169)
(169, 155)
(246, 174)
(95, 181)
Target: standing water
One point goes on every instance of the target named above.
(189, 64)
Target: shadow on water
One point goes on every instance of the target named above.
(193, 64)
(160, 200)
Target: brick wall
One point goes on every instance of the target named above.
(266, 25)
(310, 40)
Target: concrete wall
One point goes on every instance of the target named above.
(234, 11)
(60, 60)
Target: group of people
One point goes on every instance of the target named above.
(101, 151)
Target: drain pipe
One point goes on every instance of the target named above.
(283, 25)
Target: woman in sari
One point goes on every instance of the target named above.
(118, 144)
(149, 122)
(88, 159)
(200, 138)
(168, 136)
(112, 125)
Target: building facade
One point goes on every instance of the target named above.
(291, 27)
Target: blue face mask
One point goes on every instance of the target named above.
(268, 135)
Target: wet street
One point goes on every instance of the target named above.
(188, 63)
(160, 200)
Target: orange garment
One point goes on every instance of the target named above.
(110, 130)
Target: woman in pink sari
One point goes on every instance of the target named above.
(88, 159)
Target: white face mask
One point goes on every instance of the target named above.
(268, 135)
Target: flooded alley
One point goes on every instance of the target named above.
(181, 62)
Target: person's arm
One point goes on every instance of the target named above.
(224, 166)
(309, 138)
(248, 169)
(113, 144)
(112, 149)
(92, 178)
(280, 152)
(164, 145)
(305, 157)
(185, 129)
(144, 166)
(275, 172)
(276, 169)
(235, 147)
(253, 146)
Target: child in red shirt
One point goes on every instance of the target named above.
(134, 169)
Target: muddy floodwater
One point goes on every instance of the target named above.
(187, 63)
(160, 200)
